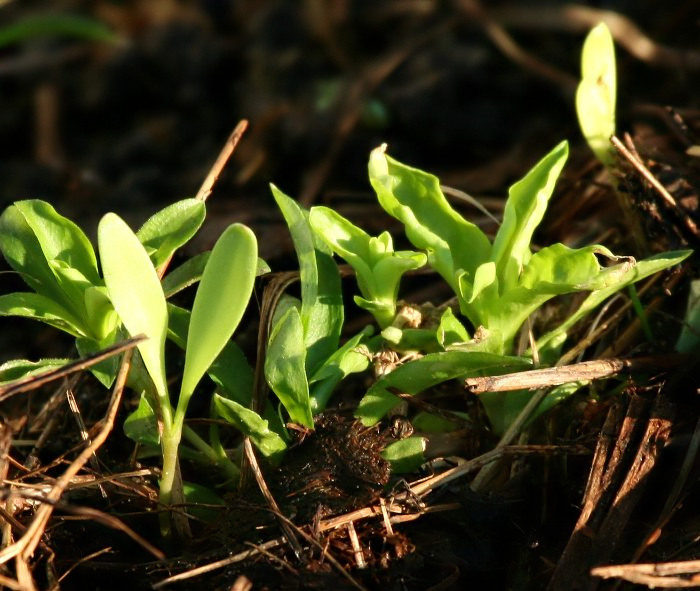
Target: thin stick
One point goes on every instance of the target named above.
(641, 168)
(221, 160)
(286, 529)
(356, 548)
(213, 176)
(584, 371)
(212, 566)
(33, 382)
(25, 546)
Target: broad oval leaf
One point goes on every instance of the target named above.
(285, 370)
(596, 93)
(221, 300)
(60, 238)
(136, 293)
(168, 229)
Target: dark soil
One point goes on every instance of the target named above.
(134, 126)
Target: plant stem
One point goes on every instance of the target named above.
(215, 456)
(170, 441)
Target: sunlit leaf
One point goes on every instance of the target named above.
(435, 368)
(285, 369)
(168, 229)
(631, 274)
(414, 197)
(136, 293)
(524, 210)
(377, 267)
(221, 300)
(321, 296)
(596, 93)
(17, 369)
(61, 239)
(39, 307)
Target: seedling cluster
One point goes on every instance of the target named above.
(498, 285)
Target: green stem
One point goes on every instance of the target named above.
(215, 456)
(170, 442)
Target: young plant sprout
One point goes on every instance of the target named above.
(136, 292)
(498, 284)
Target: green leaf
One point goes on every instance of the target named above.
(623, 277)
(101, 315)
(524, 210)
(251, 424)
(230, 370)
(16, 369)
(56, 25)
(377, 267)
(221, 300)
(198, 497)
(430, 423)
(321, 295)
(61, 240)
(405, 455)
(430, 370)
(189, 273)
(34, 250)
(552, 271)
(559, 269)
(136, 293)
(167, 230)
(503, 408)
(689, 339)
(42, 308)
(414, 197)
(596, 93)
(451, 330)
(285, 368)
(141, 425)
(105, 371)
(350, 358)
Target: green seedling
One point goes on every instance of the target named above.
(498, 285)
(137, 295)
(596, 93)
(377, 266)
(304, 360)
(55, 258)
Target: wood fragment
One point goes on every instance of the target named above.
(356, 548)
(584, 371)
